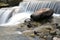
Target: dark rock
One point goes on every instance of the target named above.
(58, 27)
(53, 33)
(29, 25)
(48, 28)
(12, 2)
(42, 14)
(36, 33)
(56, 24)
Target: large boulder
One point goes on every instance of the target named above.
(42, 14)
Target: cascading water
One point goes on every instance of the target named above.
(15, 19)
(5, 14)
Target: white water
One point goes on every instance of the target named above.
(17, 18)
(4, 15)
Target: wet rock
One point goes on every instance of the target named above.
(42, 39)
(57, 31)
(53, 33)
(36, 33)
(29, 25)
(37, 38)
(42, 14)
(44, 31)
(55, 38)
(58, 27)
(48, 28)
(28, 33)
(56, 24)
(49, 37)
(32, 35)
(27, 20)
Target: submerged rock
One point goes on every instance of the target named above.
(42, 14)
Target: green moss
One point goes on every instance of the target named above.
(3, 4)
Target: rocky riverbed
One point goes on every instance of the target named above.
(41, 26)
(42, 30)
(32, 30)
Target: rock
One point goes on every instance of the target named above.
(49, 37)
(55, 38)
(35, 30)
(42, 39)
(58, 27)
(36, 33)
(29, 25)
(53, 33)
(57, 31)
(12, 2)
(32, 35)
(27, 20)
(42, 14)
(28, 33)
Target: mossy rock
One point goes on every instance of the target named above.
(14, 2)
(2, 4)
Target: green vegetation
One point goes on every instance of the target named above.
(9, 3)
(3, 4)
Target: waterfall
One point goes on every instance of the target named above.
(17, 18)
(5, 14)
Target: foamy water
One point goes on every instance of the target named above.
(17, 18)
